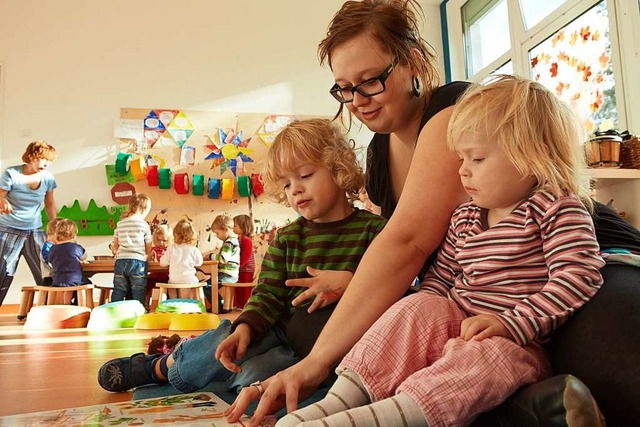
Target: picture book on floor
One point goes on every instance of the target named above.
(195, 409)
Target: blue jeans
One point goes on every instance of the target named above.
(129, 277)
(195, 364)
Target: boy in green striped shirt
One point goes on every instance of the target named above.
(312, 168)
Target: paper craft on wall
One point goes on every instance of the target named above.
(94, 221)
(122, 192)
(188, 155)
(113, 177)
(271, 126)
(180, 129)
(228, 150)
(153, 128)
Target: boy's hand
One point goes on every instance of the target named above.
(234, 347)
(327, 286)
(483, 326)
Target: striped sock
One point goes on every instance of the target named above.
(399, 410)
(160, 370)
(347, 392)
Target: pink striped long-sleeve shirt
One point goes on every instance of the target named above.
(532, 270)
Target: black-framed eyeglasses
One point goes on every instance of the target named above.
(369, 87)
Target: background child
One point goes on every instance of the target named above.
(65, 257)
(132, 243)
(182, 256)
(161, 240)
(517, 261)
(47, 280)
(309, 161)
(243, 227)
(228, 258)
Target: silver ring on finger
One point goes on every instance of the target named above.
(258, 385)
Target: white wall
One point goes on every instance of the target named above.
(68, 66)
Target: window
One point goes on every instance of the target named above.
(580, 49)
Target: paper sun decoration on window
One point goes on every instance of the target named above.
(228, 150)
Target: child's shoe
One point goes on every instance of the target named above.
(125, 373)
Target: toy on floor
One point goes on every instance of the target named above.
(163, 344)
(181, 305)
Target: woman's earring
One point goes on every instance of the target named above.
(415, 87)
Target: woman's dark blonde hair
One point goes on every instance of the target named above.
(394, 24)
(39, 150)
(66, 230)
(314, 141)
(138, 203)
(244, 223)
(184, 232)
(537, 131)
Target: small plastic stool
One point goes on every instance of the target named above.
(181, 305)
(116, 315)
(154, 321)
(194, 322)
(57, 317)
(171, 290)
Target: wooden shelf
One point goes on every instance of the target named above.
(614, 173)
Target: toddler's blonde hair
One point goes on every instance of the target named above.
(161, 230)
(314, 141)
(39, 150)
(66, 230)
(539, 134)
(222, 222)
(138, 203)
(185, 232)
(51, 226)
(244, 223)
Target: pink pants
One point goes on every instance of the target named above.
(415, 348)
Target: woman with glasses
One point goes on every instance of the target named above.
(385, 76)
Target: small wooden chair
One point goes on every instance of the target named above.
(177, 290)
(227, 290)
(105, 293)
(26, 301)
(47, 295)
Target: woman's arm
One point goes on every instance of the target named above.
(5, 206)
(430, 195)
(50, 205)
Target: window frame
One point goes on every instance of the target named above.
(624, 15)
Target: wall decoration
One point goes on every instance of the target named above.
(180, 128)
(113, 177)
(228, 150)
(153, 128)
(122, 192)
(138, 168)
(94, 221)
(198, 185)
(153, 178)
(122, 163)
(271, 126)
(181, 183)
(188, 155)
(244, 186)
(164, 178)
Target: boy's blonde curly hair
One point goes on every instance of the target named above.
(66, 230)
(315, 141)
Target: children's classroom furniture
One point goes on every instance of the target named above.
(26, 301)
(227, 290)
(57, 317)
(209, 267)
(165, 291)
(50, 295)
(116, 315)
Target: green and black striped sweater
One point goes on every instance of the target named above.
(336, 245)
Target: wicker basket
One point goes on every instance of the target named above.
(630, 154)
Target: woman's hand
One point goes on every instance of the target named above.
(483, 326)
(234, 347)
(327, 286)
(5, 206)
(288, 387)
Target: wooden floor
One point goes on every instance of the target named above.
(53, 369)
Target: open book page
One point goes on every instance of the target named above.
(194, 409)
